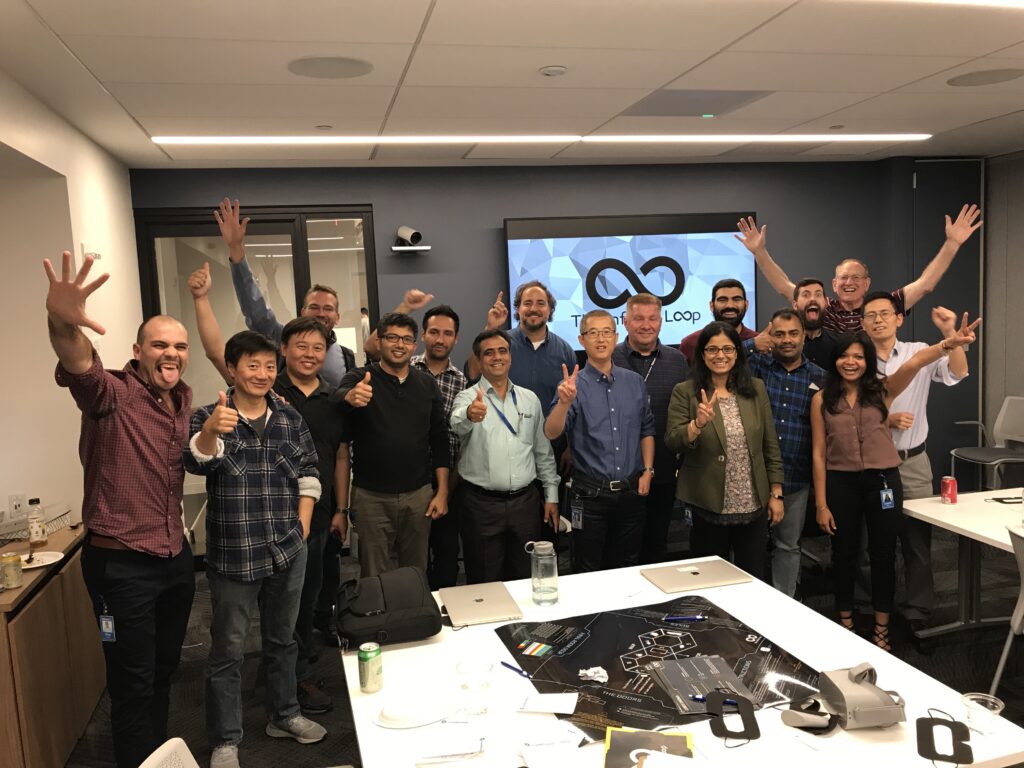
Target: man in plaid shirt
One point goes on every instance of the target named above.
(262, 482)
(440, 334)
(791, 381)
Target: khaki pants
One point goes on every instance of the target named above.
(391, 527)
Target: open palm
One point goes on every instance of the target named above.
(66, 297)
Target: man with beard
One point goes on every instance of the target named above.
(321, 301)
(394, 419)
(136, 561)
(662, 368)
(809, 302)
(853, 281)
(791, 381)
(728, 305)
(440, 335)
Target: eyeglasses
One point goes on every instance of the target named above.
(394, 338)
(851, 278)
(600, 333)
(884, 314)
(716, 351)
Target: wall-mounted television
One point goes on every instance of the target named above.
(599, 262)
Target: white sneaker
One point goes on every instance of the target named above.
(224, 756)
(297, 727)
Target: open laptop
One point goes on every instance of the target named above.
(479, 604)
(702, 573)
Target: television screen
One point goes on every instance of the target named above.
(598, 263)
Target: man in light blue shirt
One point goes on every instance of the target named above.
(504, 457)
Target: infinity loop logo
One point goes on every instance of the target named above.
(624, 269)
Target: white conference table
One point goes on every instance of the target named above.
(976, 522)
(422, 675)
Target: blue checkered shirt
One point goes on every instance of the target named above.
(252, 490)
(789, 393)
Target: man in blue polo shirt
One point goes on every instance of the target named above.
(791, 380)
(605, 411)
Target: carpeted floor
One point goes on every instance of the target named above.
(965, 662)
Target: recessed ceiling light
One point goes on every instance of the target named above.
(985, 77)
(330, 67)
(554, 70)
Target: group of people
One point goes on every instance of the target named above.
(417, 455)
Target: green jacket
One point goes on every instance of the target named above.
(701, 479)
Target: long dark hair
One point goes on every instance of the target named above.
(870, 388)
(740, 382)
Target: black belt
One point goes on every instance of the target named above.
(580, 480)
(497, 494)
(911, 452)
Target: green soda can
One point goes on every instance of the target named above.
(371, 668)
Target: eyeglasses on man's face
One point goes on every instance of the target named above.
(854, 278)
(728, 351)
(394, 338)
(599, 333)
(884, 314)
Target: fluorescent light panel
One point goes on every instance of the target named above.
(680, 138)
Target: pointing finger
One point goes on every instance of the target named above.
(498, 300)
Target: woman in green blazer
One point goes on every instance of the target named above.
(731, 474)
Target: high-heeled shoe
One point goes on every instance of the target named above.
(880, 637)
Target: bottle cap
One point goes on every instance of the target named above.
(33, 501)
(540, 547)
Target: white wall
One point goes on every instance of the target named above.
(86, 198)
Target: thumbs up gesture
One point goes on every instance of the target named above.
(567, 387)
(478, 408)
(222, 420)
(763, 342)
(200, 282)
(361, 394)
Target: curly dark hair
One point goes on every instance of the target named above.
(870, 388)
(740, 381)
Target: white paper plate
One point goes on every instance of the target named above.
(405, 714)
(41, 559)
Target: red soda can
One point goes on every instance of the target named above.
(948, 490)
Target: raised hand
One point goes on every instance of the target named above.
(232, 227)
(763, 342)
(497, 314)
(223, 419)
(945, 320)
(960, 231)
(65, 299)
(705, 409)
(901, 419)
(567, 386)
(415, 299)
(753, 239)
(361, 394)
(200, 282)
(964, 334)
(478, 408)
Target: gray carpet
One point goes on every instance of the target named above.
(965, 662)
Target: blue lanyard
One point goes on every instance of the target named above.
(501, 414)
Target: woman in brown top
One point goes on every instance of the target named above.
(856, 467)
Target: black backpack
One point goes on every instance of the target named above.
(394, 607)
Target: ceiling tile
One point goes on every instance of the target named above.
(512, 124)
(260, 126)
(641, 24)
(796, 106)
(396, 21)
(811, 72)
(498, 102)
(669, 125)
(938, 84)
(888, 28)
(177, 60)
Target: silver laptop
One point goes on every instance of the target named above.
(479, 604)
(696, 574)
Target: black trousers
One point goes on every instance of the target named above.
(659, 502)
(855, 501)
(495, 531)
(330, 578)
(308, 599)
(150, 599)
(443, 547)
(745, 544)
(612, 532)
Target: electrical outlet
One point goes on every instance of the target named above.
(17, 507)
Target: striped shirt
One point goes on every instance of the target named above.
(253, 486)
(450, 381)
(839, 320)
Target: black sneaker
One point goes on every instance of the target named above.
(312, 700)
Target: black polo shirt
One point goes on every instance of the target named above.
(820, 350)
(325, 423)
(395, 435)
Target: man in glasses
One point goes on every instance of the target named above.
(728, 305)
(853, 281)
(606, 413)
(394, 420)
(908, 419)
(504, 458)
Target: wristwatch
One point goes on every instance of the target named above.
(648, 469)
(346, 511)
(779, 497)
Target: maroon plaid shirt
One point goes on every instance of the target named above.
(131, 451)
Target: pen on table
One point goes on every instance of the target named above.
(698, 617)
(517, 670)
(703, 699)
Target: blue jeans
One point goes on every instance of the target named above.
(786, 555)
(234, 603)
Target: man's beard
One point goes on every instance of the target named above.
(735, 322)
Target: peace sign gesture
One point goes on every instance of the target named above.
(705, 409)
(567, 387)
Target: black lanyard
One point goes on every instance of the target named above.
(501, 414)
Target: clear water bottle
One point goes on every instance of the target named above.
(37, 535)
(543, 572)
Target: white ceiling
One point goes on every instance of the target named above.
(123, 72)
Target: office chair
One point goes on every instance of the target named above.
(173, 753)
(1006, 445)
(1017, 619)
